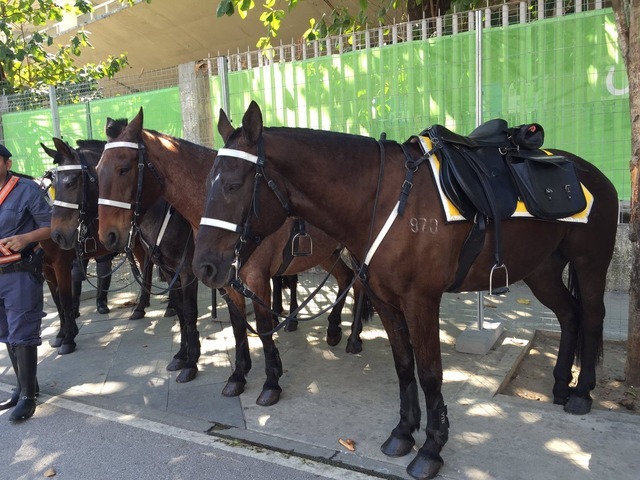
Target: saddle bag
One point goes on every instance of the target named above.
(548, 184)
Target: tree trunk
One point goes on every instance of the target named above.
(632, 60)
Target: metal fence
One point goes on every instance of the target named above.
(556, 63)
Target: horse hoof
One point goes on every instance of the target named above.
(268, 398)
(136, 315)
(397, 447)
(186, 375)
(233, 389)
(333, 340)
(292, 326)
(175, 365)
(577, 405)
(55, 342)
(66, 348)
(354, 347)
(170, 312)
(425, 465)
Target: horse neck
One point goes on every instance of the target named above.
(184, 171)
(332, 187)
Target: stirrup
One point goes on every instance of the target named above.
(498, 290)
(301, 245)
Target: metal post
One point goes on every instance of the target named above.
(478, 23)
(223, 72)
(55, 116)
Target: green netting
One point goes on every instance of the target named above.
(564, 73)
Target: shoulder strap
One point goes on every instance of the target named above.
(8, 187)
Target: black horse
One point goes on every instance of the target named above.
(164, 236)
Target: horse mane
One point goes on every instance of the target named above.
(91, 144)
(201, 149)
(115, 127)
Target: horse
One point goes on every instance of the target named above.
(93, 248)
(74, 226)
(352, 186)
(176, 169)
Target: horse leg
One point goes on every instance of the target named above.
(277, 298)
(179, 359)
(144, 296)
(56, 341)
(591, 286)
(271, 390)
(63, 277)
(187, 306)
(361, 313)
(343, 276)
(237, 315)
(548, 287)
(424, 329)
(401, 441)
(291, 281)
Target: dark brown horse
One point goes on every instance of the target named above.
(72, 188)
(74, 226)
(176, 169)
(349, 186)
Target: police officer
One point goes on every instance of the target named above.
(25, 219)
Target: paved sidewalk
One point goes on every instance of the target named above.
(120, 365)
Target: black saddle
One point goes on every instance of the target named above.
(485, 173)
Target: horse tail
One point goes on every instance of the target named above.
(364, 308)
(573, 285)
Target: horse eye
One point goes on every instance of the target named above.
(124, 170)
(234, 187)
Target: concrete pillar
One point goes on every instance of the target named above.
(195, 102)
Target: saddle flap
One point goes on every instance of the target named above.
(478, 180)
(548, 184)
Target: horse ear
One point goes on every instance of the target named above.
(62, 146)
(49, 151)
(136, 124)
(224, 126)
(252, 123)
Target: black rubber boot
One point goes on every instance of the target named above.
(101, 298)
(76, 290)
(27, 360)
(11, 402)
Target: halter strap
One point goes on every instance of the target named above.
(231, 152)
(133, 145)
(114, 203)
(60, 203)
(63, 168)
(214, 222)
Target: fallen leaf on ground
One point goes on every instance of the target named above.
(627, 403)
(523, 301)
(348, 444)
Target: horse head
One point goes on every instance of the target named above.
(241, 204)
(76, 190)
(118, 181)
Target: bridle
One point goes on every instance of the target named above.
(244, 230)
(134, 230)
(136, 206)
(86, 243)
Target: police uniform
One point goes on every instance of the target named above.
(23, 210)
